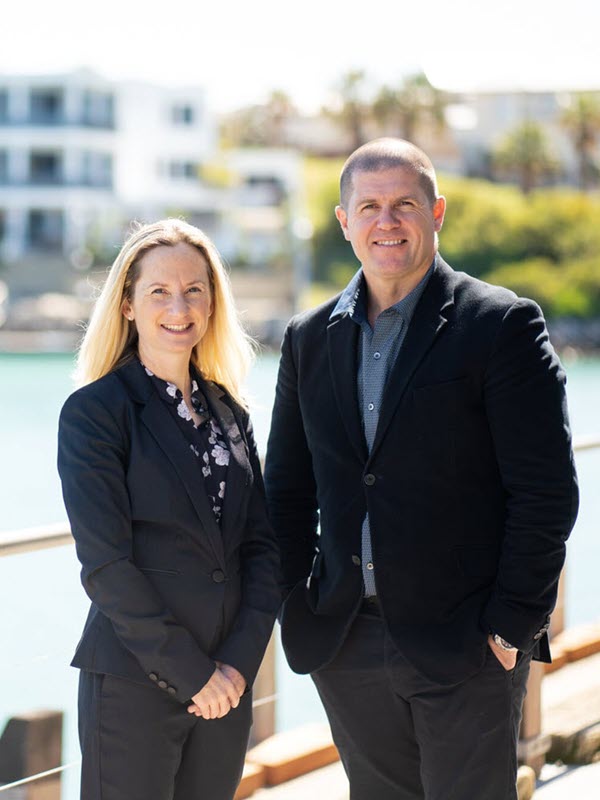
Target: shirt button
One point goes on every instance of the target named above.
(218, 576)
(370, 406)
(370, 565)
(377, 356)
(369, 479)
(163, 684)
(153, 676)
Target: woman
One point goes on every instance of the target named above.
(162, 486)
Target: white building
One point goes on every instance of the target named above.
(81, 156)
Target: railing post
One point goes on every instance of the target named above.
(264, 686)
(532, 745)
(557, 621)
(30, 744)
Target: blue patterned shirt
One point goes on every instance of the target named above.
(378, 349)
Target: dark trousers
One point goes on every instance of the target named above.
(138, 743)
(403, 737)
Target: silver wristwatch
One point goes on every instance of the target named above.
(502, 643)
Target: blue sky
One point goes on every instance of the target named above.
(240, 49)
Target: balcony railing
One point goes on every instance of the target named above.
(532, 745)
(57, 121)
(56, 181)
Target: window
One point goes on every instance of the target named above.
(182, 114)
(98, 109)
(97, 170)
(46, 106)
(45, 167)
(3, 167)
(2, 224)
(45, 229)
(263, 190)
(3, 105)
(184, 170)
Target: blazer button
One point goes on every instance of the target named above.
(163, 684)
(369, 479)
(153, 676)
(356, 561)
(218, 576)
(172, 690)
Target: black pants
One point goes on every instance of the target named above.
(403, 737)
(138, 743)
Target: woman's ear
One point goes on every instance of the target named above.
(127, 310)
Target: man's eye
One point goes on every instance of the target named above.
(158, 290)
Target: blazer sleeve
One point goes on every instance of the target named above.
(245, 645)
(92, 461)
(289, 477)
(524, 394)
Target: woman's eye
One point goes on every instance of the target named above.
(195, 289)
(158, 290)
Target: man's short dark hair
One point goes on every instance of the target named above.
(388, 153)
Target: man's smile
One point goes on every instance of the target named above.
(389, 242)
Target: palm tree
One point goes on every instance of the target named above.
(524, 151)
(354, 109)
(260, 125)
(582, 120)
(279, 108)
(406, 108)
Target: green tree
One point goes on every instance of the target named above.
(582, 120)
(414, 103)
(525, 153)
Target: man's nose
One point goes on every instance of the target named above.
(387, 217)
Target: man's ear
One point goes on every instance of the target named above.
(342, 218)
(439, 210)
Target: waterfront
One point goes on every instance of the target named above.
(38, 638)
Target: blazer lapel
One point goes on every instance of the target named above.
(342, 340)
(239, 469)
(164, 429)
(429, 318)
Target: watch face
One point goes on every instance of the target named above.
(503, 643)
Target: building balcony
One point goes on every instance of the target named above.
(57, 121)
(56, 182)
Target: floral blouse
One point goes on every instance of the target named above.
(206, 440)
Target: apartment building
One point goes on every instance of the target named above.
(81, 156)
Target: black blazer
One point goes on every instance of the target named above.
(171, 592)
(470, 484)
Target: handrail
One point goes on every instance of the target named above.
(5, 787)
(59, 534)
(31, 539)
(40, 538)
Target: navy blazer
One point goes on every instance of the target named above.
(171, 592)
(470, 485)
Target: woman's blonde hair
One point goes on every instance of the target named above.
(225, 352)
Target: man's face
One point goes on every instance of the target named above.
(391, 224)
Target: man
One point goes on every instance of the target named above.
(420, 417)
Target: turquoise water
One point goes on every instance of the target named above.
(42, 601)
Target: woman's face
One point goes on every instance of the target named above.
(172, 301)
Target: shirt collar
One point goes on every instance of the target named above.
(353, 300)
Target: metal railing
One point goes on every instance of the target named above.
(57, 535)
